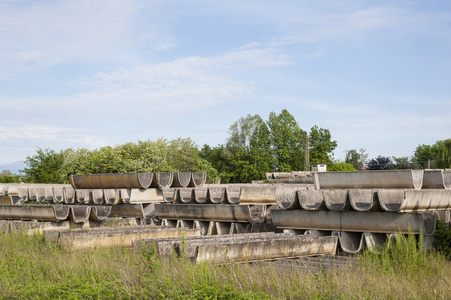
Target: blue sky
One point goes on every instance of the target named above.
(88, 73)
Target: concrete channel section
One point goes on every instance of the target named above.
(390, 179)
(112, 236)
(242, 247)
(376, 222)
(211, 212)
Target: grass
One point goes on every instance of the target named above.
(33, 269)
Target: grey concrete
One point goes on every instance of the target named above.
(150, 195)
(35, 212)
(182, 179)
(232, 194)
(96, 196)
(376, 222)
(197, 179)
(364, 200)
(255, 194)
(267, 249)
(216, 195)
(437, 179)
(162, 180)
(111, 196)
(170, 195)
(201, 195)
(414, 200)
(356, 242)
(336, 200)
(311, 200)
(186, 195)
(99, 213)
(111, 181)
(375, 179)
(286, 197)
(209, 212)
(33, 226)
(69, 195)
(139, 210)
(79, 213)
(112, 236)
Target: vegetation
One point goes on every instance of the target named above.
(437, 155)
(33, 269)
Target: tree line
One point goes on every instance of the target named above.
(254, 147)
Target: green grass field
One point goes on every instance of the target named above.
(33, 269)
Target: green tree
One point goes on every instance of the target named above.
(444, 154)
(241, 132)
(45, 167)
(321, 145)
(287, 142)
(424, 154)
(356, 158)
(340, 166)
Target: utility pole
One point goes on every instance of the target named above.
(306, 154)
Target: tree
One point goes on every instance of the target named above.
(403, 162)
(444, 154)
(321, 145)
(424, 154)
(340, 166)
(241, 132)
(45, 167)
(379, 163)
(287, 142)
(356, 158)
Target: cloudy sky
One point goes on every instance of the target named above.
(91, 73)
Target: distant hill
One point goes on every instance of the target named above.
(14, 167)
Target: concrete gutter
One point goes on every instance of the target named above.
(437, 179)
(111, 181)
(374, 179)
(211, 212)
(376, 222)
(35, 212)
(112, 236)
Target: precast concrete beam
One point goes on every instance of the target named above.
(181, 179)
(364, 200)
(97, 196)
(286, 197)
(374, 179)
(414, 200)
(336, 200)
(112, 236)
(167, 246)
(58, 194)
(186, 195)
(376, 222)
(99, 213)
(232, 194)
(79, 213)
(311, 199)
(216, 195)
(197, 179)
(254, 250)
(201, 195)
(111, 196)
(125, 195)
(356, 242)
(170, 195)
(437, 179)
(150, 195)
(83, 196)
(6, 200)
(35, 212)
(162, 180)
(253, 194)
(112, 181)
(69, 195)
(205, 212)
(31, 227)
(138, 210)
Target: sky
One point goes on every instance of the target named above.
(92, 73)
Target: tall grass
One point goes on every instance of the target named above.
(33, 269)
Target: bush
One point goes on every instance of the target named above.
(442, 240)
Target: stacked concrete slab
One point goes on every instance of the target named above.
(363, 207)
